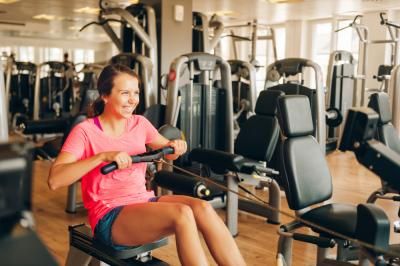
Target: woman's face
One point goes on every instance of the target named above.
(124, 96)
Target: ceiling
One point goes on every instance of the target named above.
(16, 19)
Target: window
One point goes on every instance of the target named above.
(26, 54)
(265, 53)
(321, 48)
(347, 39)
(83, 56)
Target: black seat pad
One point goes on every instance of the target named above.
(341, 218)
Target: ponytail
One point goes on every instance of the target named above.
(96, 108)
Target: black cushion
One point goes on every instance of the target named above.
(381, 104)
(267, 101)
(373, 226)
(306, 177)
(257, 138)
(341, 218)
(386, 133)
(295, 116)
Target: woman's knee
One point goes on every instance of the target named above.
(202, 207)
(182, 214)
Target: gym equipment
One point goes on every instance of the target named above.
(3, 109)
(20, 87)
(358, 136)
(53, 95)
(83, 248)
(296, 67)
(394, 96)
(202, 42)
(386, 134)
(383, 77)
(204, 114)
(182, 184)
(255, 36)
(17, 235)
(307, 182)
(341, 82)
(138, 31)
(365, 42)
(244, 91)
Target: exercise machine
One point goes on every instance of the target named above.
(205, 114)
(19, 243)
(84, 249)
(365, 43)
(341, 82)
(308, 184)
(137, 32)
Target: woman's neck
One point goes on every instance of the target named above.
(112, 126)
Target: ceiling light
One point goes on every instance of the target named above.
(8, 1)
(45, 17)
(284, 1)
(88, 10)
(223, 13)
(74, 28)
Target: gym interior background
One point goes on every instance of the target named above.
(353, 43)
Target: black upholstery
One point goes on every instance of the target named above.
(340, 218)
(386, 133)
(297, 89)
(305, 173)
(295, 115)
(373, 226)
(259, 135)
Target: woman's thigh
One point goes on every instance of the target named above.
(146, 222)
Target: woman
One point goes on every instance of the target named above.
(121, 211)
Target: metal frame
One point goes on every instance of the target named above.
(3, 109)
(149, 38)
(320, 133)
(206, 64)
(254, 38)
(362, 32)
(214, 22)
(347, 57)
(394, 95)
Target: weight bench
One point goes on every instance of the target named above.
(84, 250)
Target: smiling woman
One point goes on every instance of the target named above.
(118, 203)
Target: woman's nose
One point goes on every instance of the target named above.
(133, 98)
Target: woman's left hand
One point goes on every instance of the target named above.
(180, 147)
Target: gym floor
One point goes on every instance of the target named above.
(257, 240)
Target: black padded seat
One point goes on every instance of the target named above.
(258, 136)
(386, 132)
(82, 239)
(307, 182)
(341, 218)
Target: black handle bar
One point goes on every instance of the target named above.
(144, 157)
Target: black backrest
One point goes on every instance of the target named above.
(259, 135)
(305, 173)
(298, 89)
(386, 132)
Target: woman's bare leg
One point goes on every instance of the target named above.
(146, 222)
(217, 236)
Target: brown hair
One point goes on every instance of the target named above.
(105, 83)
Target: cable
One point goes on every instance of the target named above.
(266, 205)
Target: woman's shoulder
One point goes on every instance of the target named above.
(85, 125)
(138, 120)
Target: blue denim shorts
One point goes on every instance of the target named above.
(102, 232)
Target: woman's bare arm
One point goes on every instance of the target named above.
(67, 169)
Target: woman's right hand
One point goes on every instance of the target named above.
(123, 159)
